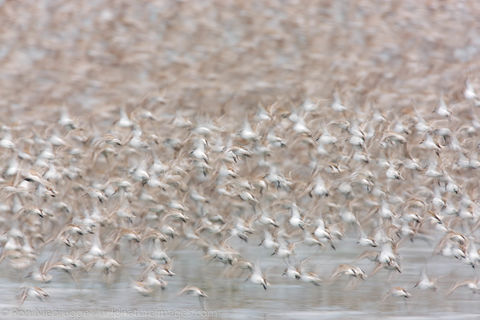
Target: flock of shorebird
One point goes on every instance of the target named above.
(81, 195)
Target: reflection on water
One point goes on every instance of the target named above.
(231, 297)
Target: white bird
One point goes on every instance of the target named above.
(319, 189)
(309, 106)
(469, 92)
(398, 292)
(124, 120)
(295, 218)
(258, 277)
(442, 109)
(196, 292)
(425, 283)
(247, 133)
(291, 272)
(366, 241)
(65, 120)
(32, 292)
(326, 137)
(473, 285)
(337, 104)
(300, 127)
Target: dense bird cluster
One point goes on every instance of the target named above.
(79, 195)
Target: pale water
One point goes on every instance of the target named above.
(231, 297)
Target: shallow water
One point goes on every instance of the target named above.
(231, 297)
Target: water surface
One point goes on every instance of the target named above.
(231, 297)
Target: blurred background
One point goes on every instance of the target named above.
(223, 57)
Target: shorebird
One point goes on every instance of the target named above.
(310, 277)
(425, 283)
(322, 233)
(284, 249)
(319, 189)
(42, 274)
(365, 241)
(196, 292)
(257, 277)
(397, 292)
(291, 272)
(295, 218)
(348, 270)
(268, 241)
(36, 292)
(337, 104)
(442, 109)
(473, 285)
(142, 288)
(469, 92)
